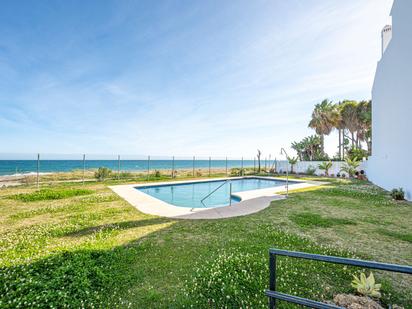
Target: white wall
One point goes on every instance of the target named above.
(389, 166)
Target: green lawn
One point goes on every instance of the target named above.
(76, 246)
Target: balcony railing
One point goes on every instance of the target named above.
(275, 295)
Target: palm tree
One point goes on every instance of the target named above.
(313, 147)
(308, 149)
(350, 118)
(350, 166)
(292, 162)
(300, 149)
(364, 132)
(325, 166)
(325, 117)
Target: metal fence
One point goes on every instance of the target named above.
(274, 295)
(81, 167)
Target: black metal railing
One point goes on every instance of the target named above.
(274, 295)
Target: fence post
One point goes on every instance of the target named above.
(84, 166)
(193, 166)
(210, 162)
(272, 279)
(118, 167)
(254, 164)
(148, 167)
(173, 167)
(38, 168)
(226, 166)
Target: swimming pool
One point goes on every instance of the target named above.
(191, 194)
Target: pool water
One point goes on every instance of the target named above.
(191, 194)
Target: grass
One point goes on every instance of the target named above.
(49, 194)
(312, 220)
(399, 236)
(95, 250)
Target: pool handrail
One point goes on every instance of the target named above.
(214, 190)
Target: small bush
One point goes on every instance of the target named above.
(350, 166)
(102, 173)
(398, 194)
(157, 174)
(28, 180)
(199, 173)
(125, 175)
(359, 153)
(47, 194)
(311, 170)
(325, 166)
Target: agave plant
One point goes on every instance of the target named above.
(325, 166)
(366, 286)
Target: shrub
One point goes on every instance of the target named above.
(125, 175)
(157, 174)
(350, 166)
(357, 153)
(102, 173)
(28, 180)
(398, 194)
(199, 173)
(235, 171)
(311, 170)
(325, 166)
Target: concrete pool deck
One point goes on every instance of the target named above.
(252, 201)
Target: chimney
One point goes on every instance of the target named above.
(386, 37)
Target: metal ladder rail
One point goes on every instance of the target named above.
(213, 191)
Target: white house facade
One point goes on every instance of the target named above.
(390, 165)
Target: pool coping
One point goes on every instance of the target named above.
(251, 201)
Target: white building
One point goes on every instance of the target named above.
(390, 165)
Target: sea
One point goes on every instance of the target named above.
(13, 167)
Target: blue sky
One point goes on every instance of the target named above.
(179, 77)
